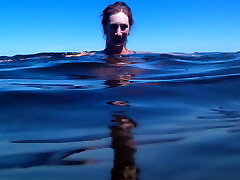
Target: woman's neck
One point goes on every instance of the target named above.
(109, 50)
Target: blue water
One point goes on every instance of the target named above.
(141, 116)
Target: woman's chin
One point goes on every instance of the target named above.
(118, 44)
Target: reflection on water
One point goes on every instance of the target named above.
(123, 80)
(121, 77)
(123, 143)
(174, 117)
(124, 146)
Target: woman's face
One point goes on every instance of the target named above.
(117, 29)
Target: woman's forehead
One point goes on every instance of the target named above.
(119, 18)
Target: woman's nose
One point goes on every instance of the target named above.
(119, 31)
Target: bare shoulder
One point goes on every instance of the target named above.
(78, 54)
(174, 54)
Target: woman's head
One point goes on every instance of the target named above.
(114, 9)
(117, 22)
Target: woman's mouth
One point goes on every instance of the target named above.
(118, 40)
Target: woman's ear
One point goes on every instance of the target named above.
(129, 31)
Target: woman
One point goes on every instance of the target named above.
(117, 22)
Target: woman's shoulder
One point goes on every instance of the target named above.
(173, 54)
(78, 54)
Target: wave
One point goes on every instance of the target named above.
(91, 72)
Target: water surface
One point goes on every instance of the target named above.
(141, 116)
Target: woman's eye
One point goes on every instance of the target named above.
(123, 27)
(114, 26)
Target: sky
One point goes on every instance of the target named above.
(34, 26)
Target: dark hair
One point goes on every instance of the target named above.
(114, 9)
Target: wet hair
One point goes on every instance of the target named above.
(114, 9)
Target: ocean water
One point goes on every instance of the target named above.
(141, 116)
